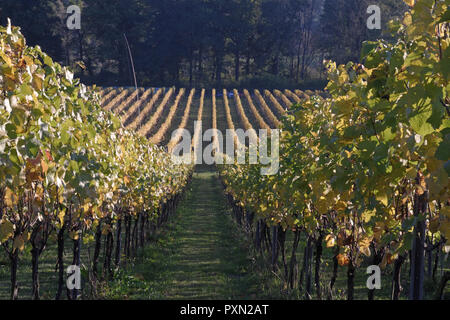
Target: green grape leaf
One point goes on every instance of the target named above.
(443, 151)
(6, 230)
(419, 123)
(11, 130)
(437, 114)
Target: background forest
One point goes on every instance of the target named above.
(208, 43)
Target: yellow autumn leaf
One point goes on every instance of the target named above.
(391, 258)
(6, 58)
(330, 240)
(384, 262)
(410, 3)
(73, 235)
(366, 251)
(411, 173)
(367, 215)
(44, 167)
(342, 259)
(419, 190)
(19, 243)
(407, 20)
(378, 230)
(322, 205)
(364, 245)
(382, 197)
(10, 198)
(38, 81)
(61, 216)
(6, 230)
(445, 228)
(434, 224)
(340, 206)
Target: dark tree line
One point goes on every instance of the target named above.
(200, 42)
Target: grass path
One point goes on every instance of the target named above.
(198, 256)
(201, 254)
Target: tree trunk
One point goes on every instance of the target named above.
(317, 266)
(219, 67)
(335, 271)
(142, 235)
(396, 277)
(200, 62)
(281, 241)
(80, 45)
(444, 280)
(38, 239)
(274, 248)
(136, 233)
(305, 274)
(293, 266)
(35, 272)
(377, 258)
(418, 247)
(350, 281)
(250, 216)
(308, 287)
(258, 236)
(127, 235)
(436, 261)
(247, 65)
(307, 41)
(109, 245)
(98, 244)
(429, 257)
(177, 71)
(67, 52)
(297, 67)
(303, 67)
(275, 64)
(237, 65)
(76, 262)
(14, 257)
(291, 67)
(132, 236)
(267, 238)
(118, 242)
(191, 70)
(60, 262)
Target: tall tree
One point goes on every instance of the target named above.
(37, 20)
(241, 27)
(344, 26)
